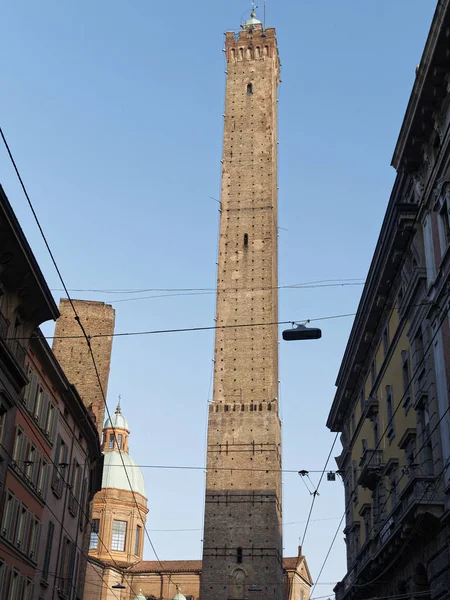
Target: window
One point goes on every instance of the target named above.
(60, 466)
(66, 567)
(353, 422)
(42, 483)
(20, 447)
(35, 537)
(16, 586)
(119, 441)
(239, 556)
(355, 482)
(245, 239)
(95, 528)
(249, 89)
(390, 412)
(29, 590)
(427, 452)
(38, 404)
(30, 460)
(75, 488)
(111, 441)
(406, 380)
(119, 532)
(10, 516)
(29, 394)
(23, 528)
(3, 578)
(418, 348)
(137, 543)
(362, 400)
(367, 524)
(373, 373)
(429, 250)
(2, 422)
(393, 488)
(386, 340)
(48, 551)
(444, 227)
(51, 424)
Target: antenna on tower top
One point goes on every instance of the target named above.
(265, 7)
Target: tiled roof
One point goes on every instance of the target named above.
(178, 566)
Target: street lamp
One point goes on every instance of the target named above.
(301, 332)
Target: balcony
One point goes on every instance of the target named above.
(371, 463)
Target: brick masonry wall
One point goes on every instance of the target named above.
(74, 356)
(243, 508)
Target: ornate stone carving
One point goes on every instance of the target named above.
(238, 587)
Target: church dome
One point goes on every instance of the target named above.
(114, 475)
(140, 596)
(179, 596)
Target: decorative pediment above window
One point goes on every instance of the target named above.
(408, 437)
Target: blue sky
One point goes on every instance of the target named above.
(113, 111)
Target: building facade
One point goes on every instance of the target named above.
(51, 459)
(242, 533)
(178, 579)
(392, 399)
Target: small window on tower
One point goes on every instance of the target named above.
(249, 89)
(245, 239)
(239, 555)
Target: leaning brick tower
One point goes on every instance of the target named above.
(73, 354)
(242, 547)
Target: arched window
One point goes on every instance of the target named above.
(249, 89)
(233, 54)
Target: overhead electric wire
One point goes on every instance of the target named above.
(317, 283)
(316, 491)
(86, 337)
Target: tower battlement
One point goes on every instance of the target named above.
(272, 405)
(250, 44)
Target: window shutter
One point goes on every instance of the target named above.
(26, 533)
(35, 467)
(69, 579)
(29, 395)
(13, 521)
(62, 561)
(43, 413)
(44, 480)
(23, 452)
(3, 579)
(48, 550)
(56, 467)
(20, 587)
(54, 424)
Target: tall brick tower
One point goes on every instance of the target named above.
(73, 353)
(242, 538)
